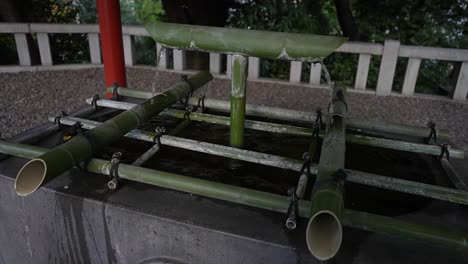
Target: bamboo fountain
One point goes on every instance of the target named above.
(325, 210)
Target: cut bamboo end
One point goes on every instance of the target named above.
(324, 235)
(30, 177)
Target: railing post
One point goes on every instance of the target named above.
(362, 71)
(411, 76)
(315, 73)
(163, 59)
(110, 28)
(22, 49)
(229, 65)
(94, 48)
(461, 90)
(215, 63)
(254, 68)
(387, 67)
(129, 50)
(44, 48)
(295, 72)
(179, 59)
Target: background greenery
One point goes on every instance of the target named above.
(418, 22)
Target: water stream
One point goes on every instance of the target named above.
(161, 53)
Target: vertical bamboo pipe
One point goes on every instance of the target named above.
(238, 94)
(324, 232)
(80, 148)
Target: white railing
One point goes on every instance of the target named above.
(390, 51)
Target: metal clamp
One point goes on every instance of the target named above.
(444, 151)
(201, 103)
(94, 101)
(115, 91)
(114, 171)
(58, 117)
(159, 132)
(432, 134)
(306, 164)
(188, 110)
(291, 221)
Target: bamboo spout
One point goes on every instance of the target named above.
(324, 235)
(33, 174)
(82, 147)
(324, 231)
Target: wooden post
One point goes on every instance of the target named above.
(44, 48)
(411, 76)
(94, 48)
(387, 67)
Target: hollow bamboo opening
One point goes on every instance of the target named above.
(324, 235)
(30, 177)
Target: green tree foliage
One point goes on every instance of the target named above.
(66, 48)
(283, 16)
(426, 23)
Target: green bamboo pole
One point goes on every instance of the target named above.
(370, 179)
(258, 199)
(238, 95)
(82, 147)
(324, 231)
(394, 227)
(305, 117)
(255, 43)
(457, 181)
(295, 130)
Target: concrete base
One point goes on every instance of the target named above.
(76, 219)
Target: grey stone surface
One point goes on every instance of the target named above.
(29, 97)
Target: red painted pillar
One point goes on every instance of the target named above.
(110, 28)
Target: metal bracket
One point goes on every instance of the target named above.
(444, 151)
(114, 171)
(94, 101)
(160, 130)
(115, 92)
(432, 134)
(58, 117)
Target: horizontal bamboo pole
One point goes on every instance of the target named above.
(82, 147)
(395, 227)
(298, 131)
(395, 184)
(253, 43)
(258, 199)
(307, 117)
(457, 181)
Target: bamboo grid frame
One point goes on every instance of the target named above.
(329, 164)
